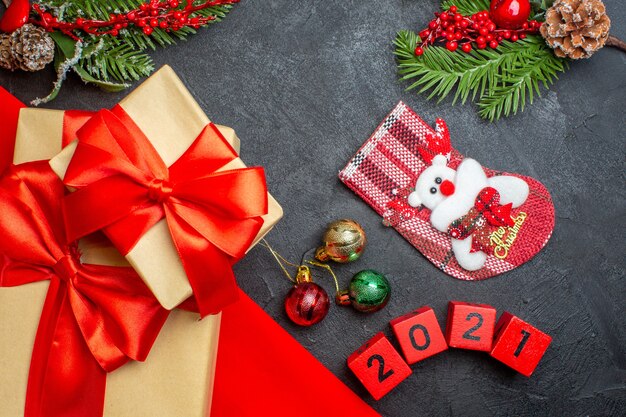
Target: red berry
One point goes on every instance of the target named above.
(177, 15)
(453, 9)
(522, 36)
(506, 34)
(481, 39)
(483, 31)
(117, 26)
(450, 36)
(131, 15)
(481, 45)
(514, 37)
(466, 47)
(419, 51)
(154, 12)
(510, 14)
(432, 24)
(424, 33)
(451, 46)
(458, 17)
(154, 22)
(525, 25)
(493, 44)
(173, 3)
(489, 37)
(80, 21)
(147, 30)
(163, 24)
(491, 27)
(445, 24)
(458, 36)
(141, 23)
(444, 16)
(143, 7)
(499, 38)
(464, 24)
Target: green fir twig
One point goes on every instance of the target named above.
(500, 80)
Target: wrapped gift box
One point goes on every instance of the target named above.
(171, 119)
(176, 380)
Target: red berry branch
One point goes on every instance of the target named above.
(165, 14)
(465, 31)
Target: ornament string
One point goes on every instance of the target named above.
(282, 261)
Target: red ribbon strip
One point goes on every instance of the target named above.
(125, 188)
(9, 113)
(94, 319)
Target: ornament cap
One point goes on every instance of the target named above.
(342, 298)
(321, 255)
(303, 275)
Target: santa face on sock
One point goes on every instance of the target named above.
(453, 196)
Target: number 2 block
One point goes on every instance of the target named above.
(470, 326)
(419, 335)
(379, 366)
(518, 344)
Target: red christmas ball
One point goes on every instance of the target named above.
(307, 304)
(509, 14)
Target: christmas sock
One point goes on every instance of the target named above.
(470, 221)
(263, 371)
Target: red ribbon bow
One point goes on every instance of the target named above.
(94, 319)
(125, 188)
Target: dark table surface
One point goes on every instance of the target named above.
(305, 85)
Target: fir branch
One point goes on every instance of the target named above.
(498, 77)
(117, 61)
(520, 82)
(466, 7)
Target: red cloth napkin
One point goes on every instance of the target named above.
(264, 371)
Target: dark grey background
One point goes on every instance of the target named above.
(305, 83)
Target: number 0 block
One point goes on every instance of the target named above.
(378, 366)
(518, 344)
(419, 335)
(470, 326)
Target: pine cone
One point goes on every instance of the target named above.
(6, 55)
(576, 28)
(32, 48)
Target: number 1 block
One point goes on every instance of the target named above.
(470, 326)
(518, 344)
(379, 366)
(419, 335)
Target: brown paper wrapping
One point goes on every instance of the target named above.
(172, 120)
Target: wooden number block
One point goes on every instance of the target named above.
(419, 335)
(378, 366)
(518, 344)
(470, 326)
